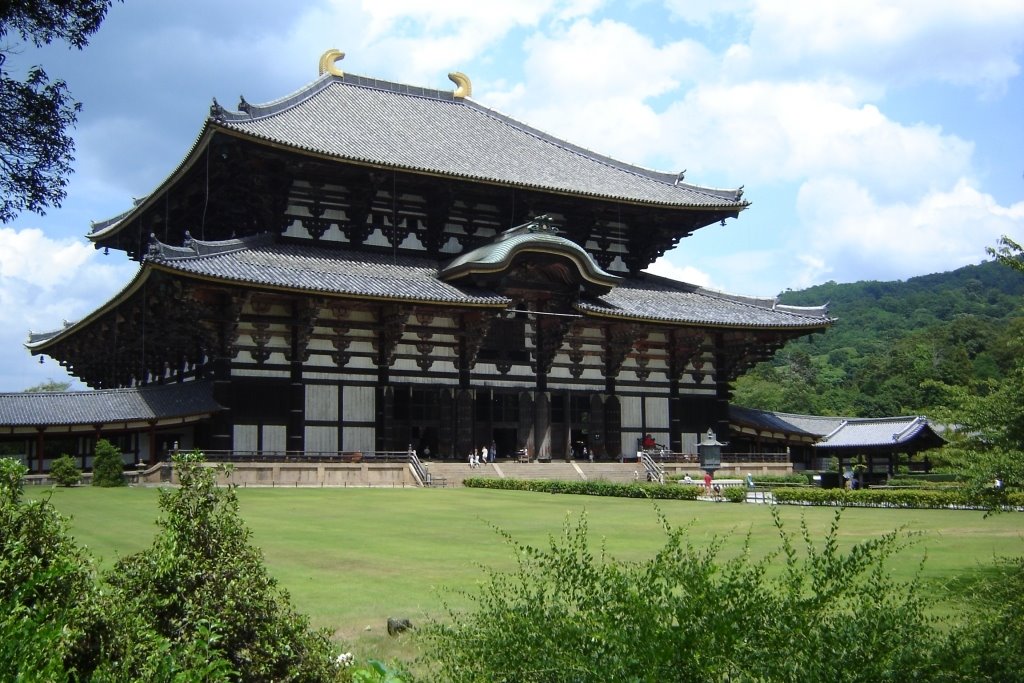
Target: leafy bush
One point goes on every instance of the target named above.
(46, 587)
(203, 582)
(735, 494)
(567, 614)
(901, 498)
(64, 471)
(590, 488)
(796, 478)
(107, 465)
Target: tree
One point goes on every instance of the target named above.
(1009, 253)
(64, 471)
(107, 465)
(202, 581)
(48, 386)
(35, 112)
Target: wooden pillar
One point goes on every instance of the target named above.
(222, 422)
(542, 425)
(464, 419)
(40, 449)
(152, 441)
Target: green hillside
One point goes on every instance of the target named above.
(890, 338)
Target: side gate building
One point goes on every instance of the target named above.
(364, 265)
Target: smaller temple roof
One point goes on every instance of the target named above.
(907, 433)
(103, 407)
(882, 433)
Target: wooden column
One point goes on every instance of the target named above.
(40, 446)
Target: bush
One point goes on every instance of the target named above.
(567, 614)
(735, 494)
(107, 465)
(590, 488)
(65, 472)
(47, 588)
(203, 582)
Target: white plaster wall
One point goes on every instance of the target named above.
(360, 406)
(321, 402)
(322, 439)
(246, 437)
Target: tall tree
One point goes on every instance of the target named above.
(36, 113)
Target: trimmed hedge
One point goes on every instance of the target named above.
(900, 498)
(589, 488)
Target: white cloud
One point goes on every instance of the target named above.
(763, 132)
(665, 268)
(973, 43)
(853, 236)
(43, 282)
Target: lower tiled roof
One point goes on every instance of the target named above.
(40, 409)
(328, 271)
(655, 298)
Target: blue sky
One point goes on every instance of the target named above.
(876, 140)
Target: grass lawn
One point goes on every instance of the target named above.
(353, 557)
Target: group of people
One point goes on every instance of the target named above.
(481, 456)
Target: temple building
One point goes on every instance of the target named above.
(368, 266)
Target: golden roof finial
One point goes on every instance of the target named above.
(465, 88)
(327, 61)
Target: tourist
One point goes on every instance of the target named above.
(707, 483)
(483, 455)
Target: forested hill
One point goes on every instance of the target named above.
(890, 338)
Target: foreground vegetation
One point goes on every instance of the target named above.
(351, 558)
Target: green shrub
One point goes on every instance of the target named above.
(570, 614)
(65, 472)
(203, 582)
(107, 465)
(735, 494)
(47, 588)
(590, 488)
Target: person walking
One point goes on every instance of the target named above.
(707, 483)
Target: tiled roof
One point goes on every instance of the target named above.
(496, 255)
(842, 432)
(655, 298)
(891, 431)
(258, 261)
(785, 423)
(184, 399)
(399, 126)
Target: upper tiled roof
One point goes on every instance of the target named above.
(259, 261)
(399, 126)
(104, 407)
(660, 299)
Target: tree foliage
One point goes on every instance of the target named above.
(107, 465)
(893, 343)
(46, 587)
(64, 471)
(36, 113)
(196, 606)
(48, 386)
(203, 581)
(686, 614)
